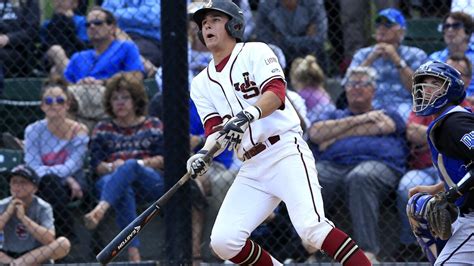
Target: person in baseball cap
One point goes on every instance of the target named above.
(25, 172)
(23, 215)
(391, 16)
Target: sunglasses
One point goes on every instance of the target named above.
(384, 22)
(454, 26)
(358, 84)
(95, 23)
(48, 100)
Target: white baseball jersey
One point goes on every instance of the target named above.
(284, 171)
(239, 85)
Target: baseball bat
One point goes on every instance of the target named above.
(125, 236)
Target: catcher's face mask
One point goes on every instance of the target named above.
(429, 91)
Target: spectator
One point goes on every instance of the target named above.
(354, 24)
(307, 78)
(298, 27)
(109, 55)
(126, 155)
(457, 28)
(19, 25)
(55, 147)
(28, 224)
(462, 64)
(90, 69)
(362, 154)
(141, 20)
(393, 61)
(64, 34)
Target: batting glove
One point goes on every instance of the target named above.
(196, 165)
(232, 133)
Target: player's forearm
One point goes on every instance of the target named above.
(268, 103)
(463, 186)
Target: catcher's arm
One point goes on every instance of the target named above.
(463, 186)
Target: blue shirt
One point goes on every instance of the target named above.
(443, 56)
(389, 149)
(138, 16)
(390, 90)
(119, 56)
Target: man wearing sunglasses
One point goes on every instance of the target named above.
(393, 61)
(361, 156)
(457, 29)
(109, 55)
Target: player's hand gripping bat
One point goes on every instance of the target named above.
(131, 231)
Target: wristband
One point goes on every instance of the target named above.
(254, 111)
(141, 162)
(402, 64)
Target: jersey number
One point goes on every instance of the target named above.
(248, 88)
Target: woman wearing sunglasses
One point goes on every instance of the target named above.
(55, 147)
(457, 28)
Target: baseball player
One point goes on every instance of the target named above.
(445, 211)
(240, 98)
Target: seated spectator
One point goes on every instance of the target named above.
(363, 155)
(299, 27)
(393, 61)
(462, 64)
(307, 78)
(89, 70)
(27, 223)
(55, 147)
(108, 57)
(19, 25)
(126, 155)
(457, 28)
(64, 34)
(141, 20)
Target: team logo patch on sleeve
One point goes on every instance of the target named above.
(468, 139)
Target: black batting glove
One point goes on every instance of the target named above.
(232, 133)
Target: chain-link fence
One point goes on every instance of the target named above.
(94, 98)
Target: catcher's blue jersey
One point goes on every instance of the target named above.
(451, 170)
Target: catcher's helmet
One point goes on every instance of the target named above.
(429, 99)
(235, 26)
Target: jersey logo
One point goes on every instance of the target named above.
(248, 88)
(468, 139)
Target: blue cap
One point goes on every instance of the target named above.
(393, 15)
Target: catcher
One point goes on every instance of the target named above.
(443, 214)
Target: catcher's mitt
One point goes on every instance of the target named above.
(440, 214)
